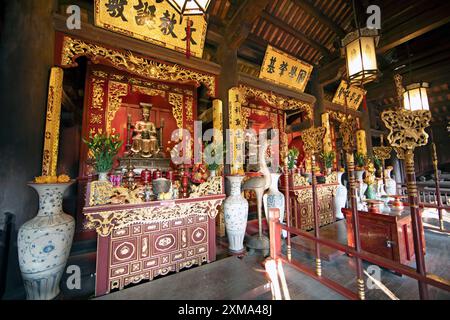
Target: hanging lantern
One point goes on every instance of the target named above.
(415, 97)
(190, 7)
(360, 52)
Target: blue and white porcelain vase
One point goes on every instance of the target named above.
(362, 188)
(44, 243)
(391, 185)
(340, 199)
(275, 199)
(236, 215)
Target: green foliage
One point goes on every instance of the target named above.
(360, 160)
(377, 162)
(214, 154)
(292, 157)
(328, 158)
(104, 149)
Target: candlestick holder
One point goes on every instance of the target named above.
(374, 206)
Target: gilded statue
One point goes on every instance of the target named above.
(145, 140)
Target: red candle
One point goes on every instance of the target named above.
(146, 176)
(170, 175)
(157, 174)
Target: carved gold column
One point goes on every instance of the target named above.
(347, 130)
(53, 118)
(407, 131)
(313, 144)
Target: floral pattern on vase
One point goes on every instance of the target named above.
(44, 243)
(362, 188)
(274, 199)
(236, 215)
(103, 176)
(340, 200)
(391, 185)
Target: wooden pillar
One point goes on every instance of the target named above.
(416, 222)
(227, 58)
(365, 125)
(318, 92)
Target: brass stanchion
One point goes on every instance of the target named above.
(407, 131)
(347, 130)
(438, 187)
(287, 203)
(313, 144)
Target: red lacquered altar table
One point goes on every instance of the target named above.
(388, 235)
(144, 241)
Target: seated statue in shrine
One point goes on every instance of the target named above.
(145, 140)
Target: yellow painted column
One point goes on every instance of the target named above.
(361, 143)
(53, 119)
(237, 132)
(327, 144)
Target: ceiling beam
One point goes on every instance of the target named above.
(386, 89)
(313, 11)
(427, 21)
(337, 107)
(293, 32)
(239, 26)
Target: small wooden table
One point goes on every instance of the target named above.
(388, 235)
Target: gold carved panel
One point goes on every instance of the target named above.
(277, 101)
(176, 100)
(127, 61)
(407, 128)
(116, 91)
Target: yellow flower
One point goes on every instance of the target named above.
(52, 179)
(40, 179)
(63, 178)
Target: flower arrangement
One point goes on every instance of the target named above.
(52, 179)
(328, 158)
(211, 151)
(370, 173)
(360, 160)
(292, 157)
(104, 149)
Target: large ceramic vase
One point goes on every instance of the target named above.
(274, 199)
(340, 200)
(391, 185)
(236, 215)
(44, 243)
(362, 188)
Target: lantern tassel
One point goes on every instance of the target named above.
(365, 102)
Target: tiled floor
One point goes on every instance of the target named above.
(234, 278)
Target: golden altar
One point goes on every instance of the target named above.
(301, 201)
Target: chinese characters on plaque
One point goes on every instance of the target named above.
(285, 70)
(154, 21)
(354, 96)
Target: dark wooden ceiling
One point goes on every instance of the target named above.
(413, 41)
